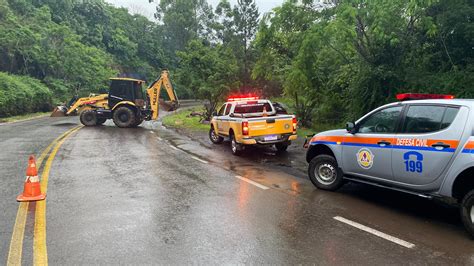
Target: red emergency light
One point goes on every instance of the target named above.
(245, 128)
(248, 97)
(422, 96)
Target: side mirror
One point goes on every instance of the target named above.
(350, 127)
(214, 113)
(232, 115)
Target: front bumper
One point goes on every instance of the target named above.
(261, 139)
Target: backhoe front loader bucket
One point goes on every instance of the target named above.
(59, 111)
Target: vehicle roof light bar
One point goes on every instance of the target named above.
(242, 98)
(422, 96)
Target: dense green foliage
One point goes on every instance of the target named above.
(22, 94)
(332, 61)
(341, 61)
(74, 47)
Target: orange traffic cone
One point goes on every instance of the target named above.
(32, 188)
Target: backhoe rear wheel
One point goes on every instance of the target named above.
(138, 122)
(124, 117)
(88, 118)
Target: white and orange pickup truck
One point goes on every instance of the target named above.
(252, 121)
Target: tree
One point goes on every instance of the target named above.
(208, 71)
(183, 20)
(246, 18)
(279, 38)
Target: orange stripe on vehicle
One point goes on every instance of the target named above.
(327, 138)
(469, 145)
(370, 140)
(365, 140)
(452, 143)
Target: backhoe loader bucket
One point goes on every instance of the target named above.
(59, 111)
(169, 106)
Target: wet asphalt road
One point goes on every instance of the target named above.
(150, 195)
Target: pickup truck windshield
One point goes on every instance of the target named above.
(249, 108)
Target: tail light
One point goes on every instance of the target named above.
(245, 128)
(295, 122)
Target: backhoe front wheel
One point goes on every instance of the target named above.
(88, 118)
(124, 117)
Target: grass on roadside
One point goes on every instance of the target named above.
(182, 119)
(23, 117)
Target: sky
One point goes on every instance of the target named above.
(145, 8)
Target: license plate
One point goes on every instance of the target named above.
(271, 138)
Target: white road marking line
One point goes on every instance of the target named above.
(375, 232)
(173, 147)
(197, 159)
(252, 182)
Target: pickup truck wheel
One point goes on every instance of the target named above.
(281, 147)
(88, 118)
(216, 139)
(467, 212)
(324, 173)
(124, 117)
(235, 147)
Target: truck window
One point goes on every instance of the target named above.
(221, 111)
(249, 108)
(449, 116)
(227, 109)
(383, 121)
(425, 118)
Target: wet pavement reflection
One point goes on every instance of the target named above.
(126, 196)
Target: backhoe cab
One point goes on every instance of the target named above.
(126, 103)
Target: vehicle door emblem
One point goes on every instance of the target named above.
(365, 158)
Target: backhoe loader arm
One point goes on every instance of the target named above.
(80, 104)
(99, 100)
(154, 94)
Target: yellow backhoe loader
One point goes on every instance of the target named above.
(125, 103)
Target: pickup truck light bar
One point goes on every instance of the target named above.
(243, 98)
(422, 96)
